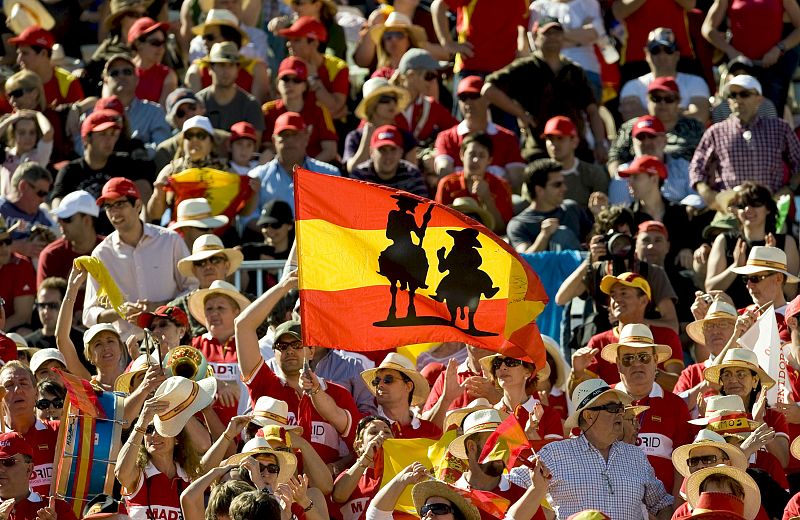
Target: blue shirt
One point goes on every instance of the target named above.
(12, 214)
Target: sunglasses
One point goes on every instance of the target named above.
(47, 305)
(44, 404)
(755, 278)
(273, 225)
(509, 362)
(744, 94)
(384, 98)
(664, 99)
(19, 92)
(192, 108)
(706, 460)
(292, 79)
(9, 462)
(393, 35)
(156, 42)
(189, 135)
(39, 193)
(280, 346)
(387, 380)
(753, 204)
(430, 76)
(435, 509)
(468, 97)
(643, 357)
(655, 50)
(611, 408)
(214, 260)
(271, 468)
(120, 72)
(150, 430)
(209, 37)
(5, 242)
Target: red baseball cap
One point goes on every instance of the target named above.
(243, 130)
(648, 125)
(653, 226)
(145, 26)
(666, 83)
(306, 27)
(12, 443)
(470, 85)
(560, 125)
(386, 135)
(289, 121)
(293, 66)
(117, 188)
(100, 120)
(34, 36)
(645, 164)
(174, 314)
(110, 103)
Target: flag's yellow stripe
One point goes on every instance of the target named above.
(339, 258)
(87, 442)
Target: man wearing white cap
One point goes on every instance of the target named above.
(745, 147)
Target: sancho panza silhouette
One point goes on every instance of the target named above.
(404, 263)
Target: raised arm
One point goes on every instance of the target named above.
(126, 470)
(77, 277)
(223, 446)
(192, 498)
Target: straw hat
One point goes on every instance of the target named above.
(475, 422)
(188, 362)
(206, 246)
(197, 213)
(710, 439)
(121, 7)
(272, 412)
(562, 369)
(738, 357)
(456, 417)
(197, 299)
(726, 415)
(752, 495)
(260, 446)
(486, 365)
(402, 364)
(765, 258)
(795, 448)
(124, 383)
(185, 398)
(398, 22)
(436, 488)
(21, 14)
(587, 393)
(718, 310)
(221, 17)
(468, 205)
(636, 335)
(374, 88)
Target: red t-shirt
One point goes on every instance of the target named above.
(19, 279)
(42, 438)
(690, 377)
(427, 117)
(454, 186)
(416, 429)
(27, 509)
(315, 115)
(755, 39)
(462, 400)
(334, 75)
(316, 430)
(52, 90)
(56, 260)
(608, 371)
(491, 28)
(505, 143)
(8, 349)
(653, 14)
(356, 505)
(157, 493)
(225, 363)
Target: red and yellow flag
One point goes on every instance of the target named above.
(226, 192)
(81, 395)
(505, 443)
(380, 268)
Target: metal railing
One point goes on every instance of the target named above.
(257, 268)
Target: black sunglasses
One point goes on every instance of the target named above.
(44, 404)
(120, 72)
(292, 79)
(507, 361)
(156, 43)
(273, 225)
(663, 99)
(387, 380)
(214, 260)
(435, 509)
(708, 460)
(180, 112)
(384, 98)
(655, 50)
(150, 430)
(209, 37)
(753, 204)
(611, 408)
(744, 94)
(468, 97)
(6, 242)
(39, 193)
(189, 135)
(47, 305)
(280, 346)
(271, 468)
(9, 462)
(755, 278)
(19, 92)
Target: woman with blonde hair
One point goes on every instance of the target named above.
(29, 138)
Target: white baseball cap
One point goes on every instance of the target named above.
(201, 122)
(77, 202)
(744, 81)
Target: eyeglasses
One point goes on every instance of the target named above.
(706, 460)
(741, 374)
(435, 510)
(44, 404)
(128, 72)
(116, 205)
(385, 98)
(612, 408)
(663, 99)
(5, 242)
(643, 357)
(388, 379)
(743, 94)
(430, 76)
(9, 462)
(19, 92)
(507, 361)
(393, 35)
(468, 97)
(755, 278)
(655, 50)
(156, 42)
(190, 108)
(292, 79)
(47, 305)
(280, 346)
(210, 38)
(214, 260)
(150, 430)
(271, 468)
(189, 135)
(39, 193)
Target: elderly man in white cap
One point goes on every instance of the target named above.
(596, 470)
(745, 147)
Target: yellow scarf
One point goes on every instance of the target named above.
(108, 291)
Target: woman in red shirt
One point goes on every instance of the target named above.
(148, 39)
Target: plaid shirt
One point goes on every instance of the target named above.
(583, 479)
(755, 152)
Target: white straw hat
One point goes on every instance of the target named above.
(272, 412)
(738, 357)
(476, 422)
(752, 495)
(196, 299)
(710, 439)
(587, 393)
(636, 335)
(718, 310)
(399, 362)
(766, 258)
(206, 246)
(185, 398)
(197, 213)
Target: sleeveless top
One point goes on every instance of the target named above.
(151, 82)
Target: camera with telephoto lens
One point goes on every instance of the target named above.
(619, 246)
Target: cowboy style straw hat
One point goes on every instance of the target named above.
(21, 14)
(403, 365)
(398, 22)
(185, 398)
(436, 488)
(197, 213)
(795, 448)
(718, 310)
(197, 299)
(476, 422)
(259, 446)
(124, 383)
(765, 258)
(752, 495)
(486, 365)
(456, 417)
(375, 87)
(221, 17)
(738, 357)
(636, 335)
(272, 412)
(206, 246)
(710, 439)
(726, 415)
(587, 393)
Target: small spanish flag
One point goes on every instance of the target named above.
(381, 268)
(81, 395)
(505, 443)
(227, 193)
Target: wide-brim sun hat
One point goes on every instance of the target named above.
(562, 369)
(221, 17)
(707, 439)
(718, 310)
(185, 398)
(260, 446)
(587, 393)
(206, 246)
(456, 417)
(402, 364)
(752, 495)
(197, 299)
(374, 88)
(636, 335)
(422, 491)
(398, 22)
(476, 422)
(197, 213)
(269, 411)
(766, 258)
(738, 358)
(124, 383)
(21, 14)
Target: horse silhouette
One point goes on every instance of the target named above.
(462, 287)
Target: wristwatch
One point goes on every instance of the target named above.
(781, 47)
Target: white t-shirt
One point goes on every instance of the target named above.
(574, 14)
(690, 86)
